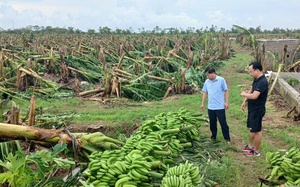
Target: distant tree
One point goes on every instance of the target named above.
(222, 30)
(213, 29)
(252, 30)
(48, 29)
(118, 31)
(77, 31)
(91, 31)
(234, 30)
(131, 31)
(199, 31)
(36, 28)
(156, 30)
(258, 30)
(104, 30)
(182, 31)
(142, 30)
(71, 30)
(190, 30)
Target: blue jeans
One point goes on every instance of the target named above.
(220, 115)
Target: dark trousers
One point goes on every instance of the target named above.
(220, 115)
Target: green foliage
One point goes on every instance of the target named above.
(194, 77)
(88, 69)
(216, 170)
(141, 92)
(293, 81)
(6, 148)
(35, 169)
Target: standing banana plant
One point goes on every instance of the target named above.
(253, 42)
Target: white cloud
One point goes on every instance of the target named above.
(123, 14)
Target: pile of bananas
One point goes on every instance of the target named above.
(182, 175)
(148, 153)
(114, 168)
(286, 166)
(182, 119)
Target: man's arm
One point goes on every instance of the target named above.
(204, 96)
(252, 96)
(246, 99)
(226, 99)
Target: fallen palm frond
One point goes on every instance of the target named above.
(92, 77)
(142, 92)
(12, 94)
(253, 42)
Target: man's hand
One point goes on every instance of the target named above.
(226, 106)
(202, 107)
(243, 93)
(243, 106)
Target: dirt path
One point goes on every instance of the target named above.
(252, 168)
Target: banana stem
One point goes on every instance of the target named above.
(187, 144)
(156, 175)
(161, 153)
(155, 164)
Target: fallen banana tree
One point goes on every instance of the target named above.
(86, 142)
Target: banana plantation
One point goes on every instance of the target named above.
(166, 150)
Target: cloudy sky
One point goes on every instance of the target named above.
(147, 14)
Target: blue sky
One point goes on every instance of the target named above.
(147, 14)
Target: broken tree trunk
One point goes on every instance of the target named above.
(88, 141)
(14, 114)
(31, 118)
(275, 80)
(159, 78)
(123, 72)
(1, 64)
(293, 67)
(168, 91)
(32, 133)
(91, 92)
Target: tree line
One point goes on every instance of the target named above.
(156, 30)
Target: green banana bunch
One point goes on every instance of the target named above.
(131, 142)
(103, 167)
(182, 175)
(286, 165)
(274, 158)
(291, 152)
(150, 126)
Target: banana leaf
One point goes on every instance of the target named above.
(142, 92)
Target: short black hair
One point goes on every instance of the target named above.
(210, 70)
(256, 65)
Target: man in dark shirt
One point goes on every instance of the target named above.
(256, 98)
